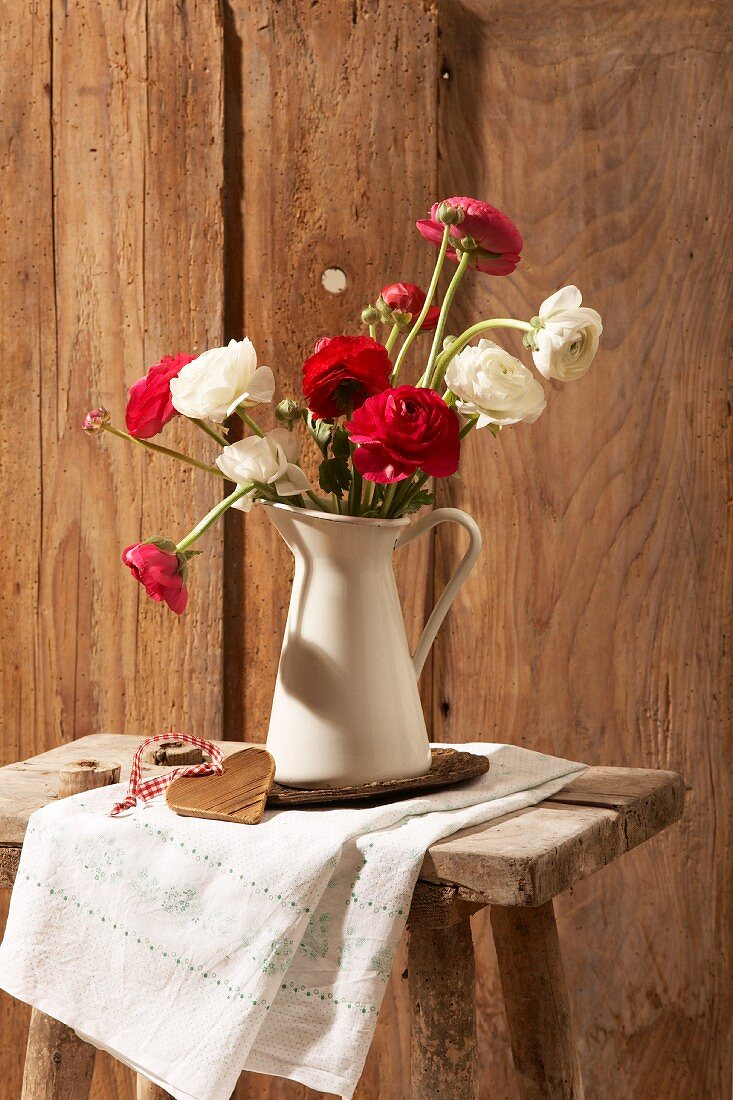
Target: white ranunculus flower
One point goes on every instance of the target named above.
(270, 459)
(566, 334)
(220, 380)
(494, 386)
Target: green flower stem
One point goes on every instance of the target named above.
(250, 423)
(337, 504)
(320, 504)
(403, 501)
(213, 515)
(460, 342)
(467, 427)
(373, 331)
(404, 491)
(368, 498)
(355, 489)
(388, 498)
(209, 431)
(391, 338)
(156, 447)
(427, 377)
(426, 306)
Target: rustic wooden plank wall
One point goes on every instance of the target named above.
(27, 328)
(158, 148)
(338, 111)
(112, 255)
(597, 626)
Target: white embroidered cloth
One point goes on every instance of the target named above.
(194, 949)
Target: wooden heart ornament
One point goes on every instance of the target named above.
(238, 794)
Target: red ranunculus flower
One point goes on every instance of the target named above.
(403, 430)
(409, 298)
(497, 237)
(344, 370)
(149, 406)
(159, 571)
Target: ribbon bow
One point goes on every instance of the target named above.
(142, 790)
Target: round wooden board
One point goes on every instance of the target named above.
(448, 766)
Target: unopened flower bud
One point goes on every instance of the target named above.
(370, 315)
(450, 215)
(385, 311)
(288, 411)
(448, 341)
(95, 420)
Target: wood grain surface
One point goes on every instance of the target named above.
(148, 149)
(238, 794)
(112, 256)
(27, 337)
(597, 622)
(337, 110)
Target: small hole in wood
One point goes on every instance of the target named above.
(334, 280)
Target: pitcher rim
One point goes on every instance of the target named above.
(359, 521)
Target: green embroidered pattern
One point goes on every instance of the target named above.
(279, 956)
(351, 948)
(183, 905)
(105, 860)
(203, 857)
(318, 995)
(314, 944)
(234, 992)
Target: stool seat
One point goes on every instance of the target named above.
(515, 864)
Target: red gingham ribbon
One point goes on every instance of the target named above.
(142, 790)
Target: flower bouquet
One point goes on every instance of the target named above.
(378, 440)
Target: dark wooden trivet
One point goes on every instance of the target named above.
(449, 766)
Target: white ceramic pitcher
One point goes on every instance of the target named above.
(346, 708)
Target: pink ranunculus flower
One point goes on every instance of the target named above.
(403, 430)
(497, 238)
(409, 298)
(160, 570)
(149, 406)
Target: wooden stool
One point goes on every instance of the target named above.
(516, 865)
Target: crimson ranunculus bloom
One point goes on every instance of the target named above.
(498, 240)
(404, 430)
(343, 371)
(159, 571)
(149, 406)
(409, 298)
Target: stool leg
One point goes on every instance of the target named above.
(58, 1064)
(146, 1090)
(443, 1064)
(536, 1002)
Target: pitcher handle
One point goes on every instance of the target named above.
(464, 567)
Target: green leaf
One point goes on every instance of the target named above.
(418, 501)
(334, 476)
(340, 446)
